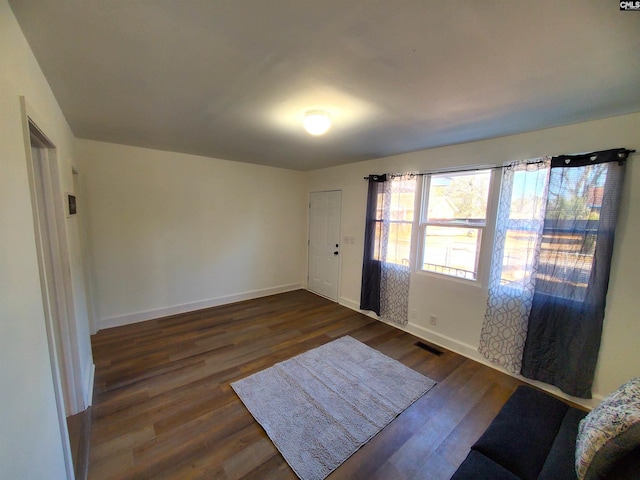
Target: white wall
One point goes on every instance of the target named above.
(171, 232)
(31, 443)
(460, 307)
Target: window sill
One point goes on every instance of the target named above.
(450, 278)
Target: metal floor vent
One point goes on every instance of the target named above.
(429, 348)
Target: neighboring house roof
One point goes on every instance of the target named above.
(594, 197)
(442, 207)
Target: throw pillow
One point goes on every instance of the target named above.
(609, 432)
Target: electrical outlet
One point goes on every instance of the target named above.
(414, 314)
(433, 320)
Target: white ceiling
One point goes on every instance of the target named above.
(232, 78)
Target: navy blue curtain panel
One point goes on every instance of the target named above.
(565, 323)
(371, 264)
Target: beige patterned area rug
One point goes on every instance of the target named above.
(320, 407)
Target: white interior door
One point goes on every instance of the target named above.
(324, 243)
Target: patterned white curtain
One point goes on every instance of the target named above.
(519, 227)
(396, 257)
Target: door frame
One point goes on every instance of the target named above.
(339, 279)
(56, 288)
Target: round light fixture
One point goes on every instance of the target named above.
(317, 122)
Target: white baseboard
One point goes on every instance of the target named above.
(468, 351)
(352, 304)
(193, 306)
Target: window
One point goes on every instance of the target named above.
(454, 216)
(394, 214)
(572, 227)
(567, 230)
(555, 228)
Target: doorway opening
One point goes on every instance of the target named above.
(55, 281)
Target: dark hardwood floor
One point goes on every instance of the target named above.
(79, 428)
(163, 407)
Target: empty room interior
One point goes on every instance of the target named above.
(196, 194)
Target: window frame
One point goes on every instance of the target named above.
(486, 232)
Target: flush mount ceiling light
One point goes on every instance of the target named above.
(317, 122)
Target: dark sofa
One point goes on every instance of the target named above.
(533, 437)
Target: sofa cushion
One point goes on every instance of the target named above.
(478, 467)
(627, 468)
(520, 437)
(609, 432)
(560, 462)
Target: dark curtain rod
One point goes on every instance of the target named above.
(436, 172)
(623, 153)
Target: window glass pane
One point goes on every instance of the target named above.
(380, 206)
(566, 258)
(519, 247)
(399, 246)
(399, 206)
(571, 226)
(527, 201)
(459, 198)
(576, 193)
(451, 250)
(377, 240)
(402, 206)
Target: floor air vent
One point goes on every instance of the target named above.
(428, 348)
